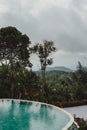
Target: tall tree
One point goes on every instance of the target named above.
(43, 51)
(14, 46)
(81, 73)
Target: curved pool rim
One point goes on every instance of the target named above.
(66, 127)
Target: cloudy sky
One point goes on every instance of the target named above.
(62, 21)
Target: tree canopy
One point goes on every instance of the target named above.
(14, 46)
(43, 51)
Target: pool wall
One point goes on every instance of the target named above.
(71, 125)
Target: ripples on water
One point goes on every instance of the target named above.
(32, 116)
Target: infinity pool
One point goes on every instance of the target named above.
(25, 115)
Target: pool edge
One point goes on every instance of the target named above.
(66, 127)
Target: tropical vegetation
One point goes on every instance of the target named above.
(18, 80)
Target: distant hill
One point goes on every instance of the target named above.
(53, 70)
(59, 68)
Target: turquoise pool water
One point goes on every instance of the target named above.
(31, 116)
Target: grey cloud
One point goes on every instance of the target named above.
(78, 3)
(66, 26)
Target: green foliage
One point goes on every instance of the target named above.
(17, 83)
(66, 86)
(81, 74)
(14, 47)
(43, 51)
(82, 123)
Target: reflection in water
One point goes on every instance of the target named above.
(32, 116)
(5, 106)
(35, 107)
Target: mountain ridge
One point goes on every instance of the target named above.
(56, 69)
(59, 68)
